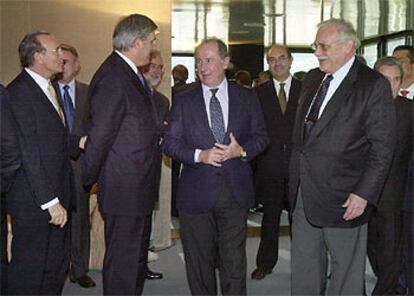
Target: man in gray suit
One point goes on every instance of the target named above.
(342, 147)
(74, 96)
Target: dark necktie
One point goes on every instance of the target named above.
(143, 81)
(313, 115)
(216, 116)
(282, 97)
(68, 106)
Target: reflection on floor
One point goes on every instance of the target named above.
(171, 264)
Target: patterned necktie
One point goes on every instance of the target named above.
(56, 104)
(282, 97)
(68, 106)
(313, 115)
(216, 116)
(404, 93)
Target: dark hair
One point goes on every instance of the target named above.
(131, 28)
(408, 48)
(243, 78)
(69, 48)
(180, 73)
(29, 46)
(389, 61)
(222, 47)
(289, 53)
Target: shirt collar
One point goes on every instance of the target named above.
(128, 61)
(40, 80)
(71, 84)
(222, 87)
(343, 71)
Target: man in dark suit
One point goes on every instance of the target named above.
(405, 54)
(343, 142)
(279, 99)
(386, 224)
(39, 201)
(153, 73)
(75, 103)
(180, 76)
(215, 128)
(122, 154)
(10, 163)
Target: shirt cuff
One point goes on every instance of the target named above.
(196, 155)
(49, 204)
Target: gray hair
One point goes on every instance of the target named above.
(29, 46)
(345, 30)
(131, 28)
(389, 61)
(222, 47)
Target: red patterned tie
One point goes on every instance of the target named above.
(404, 93)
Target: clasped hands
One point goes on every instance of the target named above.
(218, 154)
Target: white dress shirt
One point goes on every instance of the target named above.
(287, 82)
(223, 97)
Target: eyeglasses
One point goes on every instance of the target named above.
(322, 46)
(54, 51)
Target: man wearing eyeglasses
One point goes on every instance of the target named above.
(279, 100)
(343, 143)
(39, 201)
(74, 95)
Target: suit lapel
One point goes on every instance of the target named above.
(200, 113)
(338, 99)
(42, 98)
(306, 100)
(234, 110)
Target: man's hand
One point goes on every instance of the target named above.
(355, 207)
(212, 156)
(58, 215)
(82, 142)
(232, 150)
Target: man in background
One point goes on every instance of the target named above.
(74, 95)
(385, 229)
(405, 53)
(279, 100)
(153, 73)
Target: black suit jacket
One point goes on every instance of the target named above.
(274, 161)
(10, 149)
(46, 147)
(350, 147)
(122, 148)
(395, 186)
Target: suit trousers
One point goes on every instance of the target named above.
(125, 260)
(216, 239)
(274, 200)
(384, 250)
(80, 236)
(40, 255)
(310, 248)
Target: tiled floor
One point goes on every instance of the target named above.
(171, 264)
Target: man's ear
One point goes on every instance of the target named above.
(226, 62)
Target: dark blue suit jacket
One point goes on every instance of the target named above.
(46, 148)
(10, 150)
(188, 129)
(122, 147)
